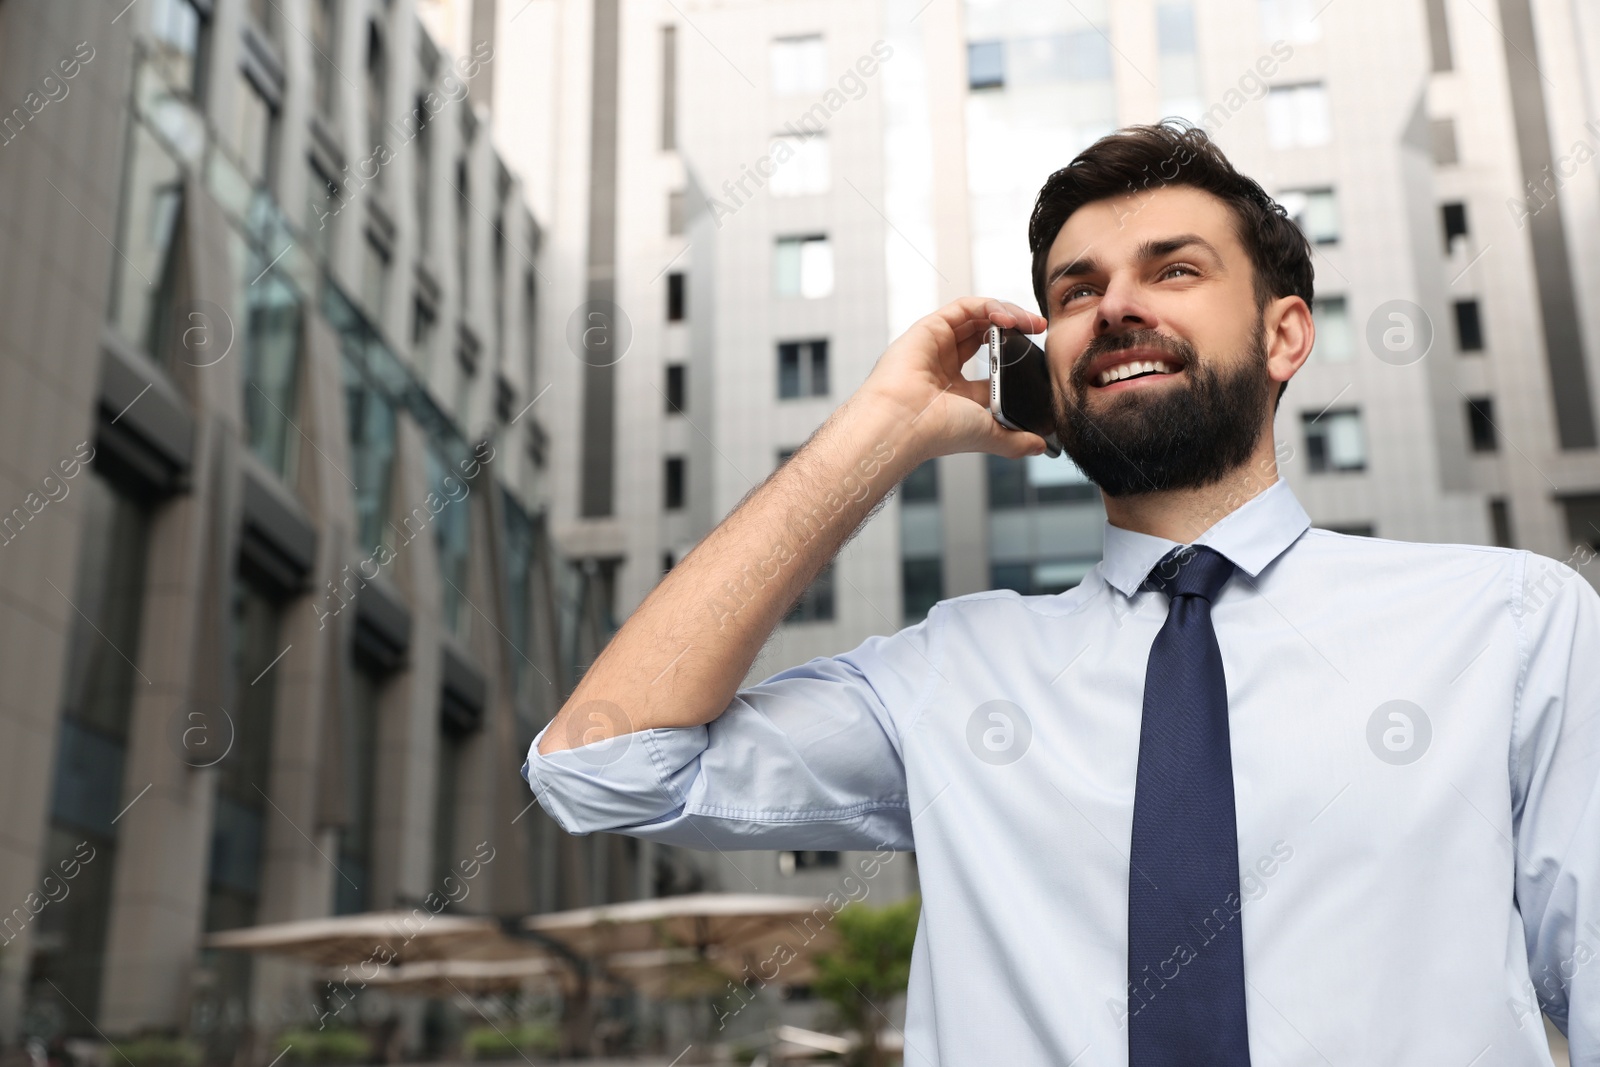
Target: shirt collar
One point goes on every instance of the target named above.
(1251, 536)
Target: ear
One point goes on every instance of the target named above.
(1289, 334)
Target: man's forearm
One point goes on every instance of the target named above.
(679, 658)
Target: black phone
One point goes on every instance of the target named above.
(1019, 386)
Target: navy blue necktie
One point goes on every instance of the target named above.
(1185, 949)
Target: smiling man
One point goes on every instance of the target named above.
(1251, 792)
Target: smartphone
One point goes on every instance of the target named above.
(1019, 386)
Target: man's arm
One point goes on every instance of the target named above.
(679, 658)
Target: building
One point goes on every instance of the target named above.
(279, 604)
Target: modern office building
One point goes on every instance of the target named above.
(279, 612)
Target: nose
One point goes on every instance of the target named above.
(1122, 308)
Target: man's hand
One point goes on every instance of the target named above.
(679, 658)
(919, 376)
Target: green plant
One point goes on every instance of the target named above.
(508, 1042)
(156, 1050)
(871, 965)
(338, 1044)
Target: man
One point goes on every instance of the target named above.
(1251, 792)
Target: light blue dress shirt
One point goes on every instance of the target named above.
(1416, 759)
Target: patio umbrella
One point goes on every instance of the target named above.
(382, 937)
(735, 933)
(446, 978)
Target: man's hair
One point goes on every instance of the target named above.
(1140, 158)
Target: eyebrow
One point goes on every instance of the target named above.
(1152, 249)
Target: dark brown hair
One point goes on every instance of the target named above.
(1173, 152)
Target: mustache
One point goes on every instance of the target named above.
(1176, 347)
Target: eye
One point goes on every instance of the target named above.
(1071, 293)
(1169, 271)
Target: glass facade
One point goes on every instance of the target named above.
(100, 680)
(352, 888)
(271, 369)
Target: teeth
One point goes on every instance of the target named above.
(1126, 370)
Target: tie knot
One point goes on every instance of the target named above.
(1191, 570)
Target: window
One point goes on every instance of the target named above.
(255, 127)
(789, 862)
(179, 33)
(324, 25)
(799, 65)
(986, 65)
(1469, 326)
(803, 266)
(816, 603)
(377, 94)
(463, 208)
(802, 369)
(1500, 521)
(1335, 340)
(422, 173)
(675, 388)
(801, 165)
(1334, 441)
(922, 484)
(1294, 21)
(375, 276)
(271, 368)
(1179, 71)
(1480, 424)
(677, 296)
(669, 88)
(322, 207)
(1438, 35)
(921, 586)
(673, 483)
(1454, 217)
(1297, 116)
(1034, 480)
(1351, 529)
(424, 322)
(675, 213)
(352, 891)
(666, 562)
(1315, 211)
(1443, 135)
(264, 14)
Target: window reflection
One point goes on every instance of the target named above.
(145, 273)
(271, 370)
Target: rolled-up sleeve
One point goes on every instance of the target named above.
(1556, 798)
(810, 758)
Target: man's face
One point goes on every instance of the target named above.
(1157, 277)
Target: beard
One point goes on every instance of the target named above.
(1184, 435)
